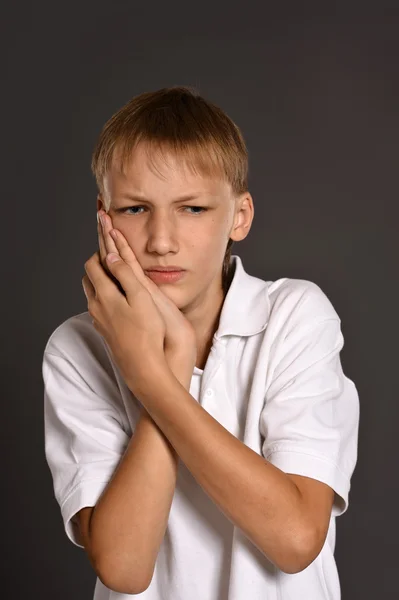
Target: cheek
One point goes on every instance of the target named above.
(126, 232)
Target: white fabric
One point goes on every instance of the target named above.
(273, 378)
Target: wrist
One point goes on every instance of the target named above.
(181, 368)
(152, 371)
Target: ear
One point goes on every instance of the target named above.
(243, 217)
(100, 202)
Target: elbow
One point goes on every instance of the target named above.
(296, 566)
(303, 554)
(132, 580)
(294, 553)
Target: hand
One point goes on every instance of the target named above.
(180, 338)
(131, 324)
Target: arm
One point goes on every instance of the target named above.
(128, 523)
(259, 498)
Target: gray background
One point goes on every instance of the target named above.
(314, 88)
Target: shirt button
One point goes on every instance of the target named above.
(209, 392)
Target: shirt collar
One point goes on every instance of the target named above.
(246, 306)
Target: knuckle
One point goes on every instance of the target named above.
(103, 298)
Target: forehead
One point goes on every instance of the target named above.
(164, 169)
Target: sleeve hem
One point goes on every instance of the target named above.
(313, 466)
(86, 493)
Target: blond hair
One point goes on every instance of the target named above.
(177, 119)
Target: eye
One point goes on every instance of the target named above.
(123, 210)
(202, 209)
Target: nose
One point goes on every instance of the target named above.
(162, 234)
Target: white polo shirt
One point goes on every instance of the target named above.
(273, 378)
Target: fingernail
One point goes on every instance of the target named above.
(112, 257)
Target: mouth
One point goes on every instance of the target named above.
(165, 276)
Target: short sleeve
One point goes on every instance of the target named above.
(84, 439)
(310, 416)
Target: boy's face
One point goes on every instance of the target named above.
(163, 232)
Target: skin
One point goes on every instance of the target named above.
(163, 233)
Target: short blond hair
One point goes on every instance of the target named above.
(180, 120)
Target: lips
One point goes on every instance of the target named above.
(165, 269)
(165, 276)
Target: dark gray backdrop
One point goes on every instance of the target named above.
(314, 88)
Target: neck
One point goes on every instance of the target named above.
(205, 336)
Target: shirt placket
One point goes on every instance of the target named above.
(213, 395)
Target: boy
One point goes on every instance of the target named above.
(200, 431)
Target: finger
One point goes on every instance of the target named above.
(125, 275)
(104, 285)
(91, 297)
(88, 288)
(126, 252)
(106, 245)
(101, 245)
(107, 239)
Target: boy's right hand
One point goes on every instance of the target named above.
(180, 338)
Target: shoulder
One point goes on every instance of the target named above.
(77, 364)
(81, 348)
(299, 301)
(73, 336)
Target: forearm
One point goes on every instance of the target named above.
(253, 494)
(130, 519)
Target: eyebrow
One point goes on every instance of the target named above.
(184, 198)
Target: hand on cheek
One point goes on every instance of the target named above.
(106, 243)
